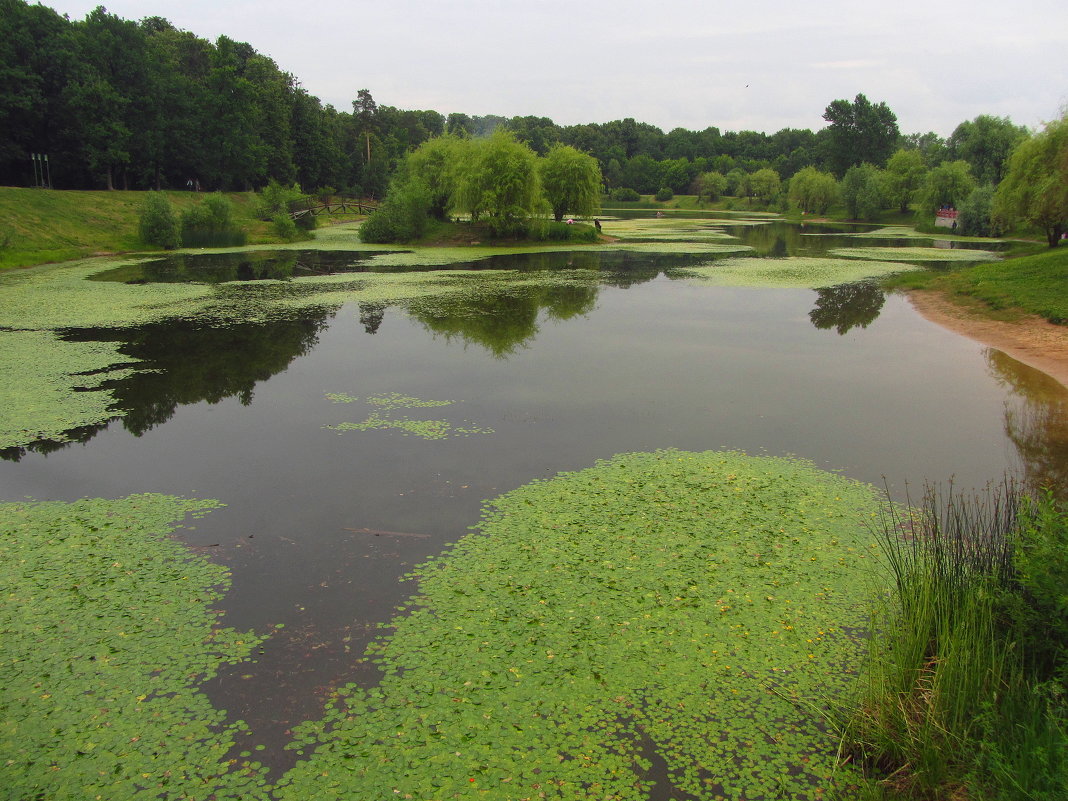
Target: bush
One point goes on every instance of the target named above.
(159, 224)
(551, 231)
(402, 217)
(286, 229)
(664, 194)
(275, 198)
(625, 194)
(210, 224)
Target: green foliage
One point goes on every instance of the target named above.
(947, 185)
(275, 199)
(968, 658)
(664, 193)
(210, 224)
(437, 163)
(158, 223)
(861, 192)
(859, 133)
(976, 213)
(986, 143)
(610, 616)
(765, 184)
(500, 183)
(571, 181)
(711, 185)
(285, 228)
(625, 194)
(813, 191)
(1035, 189)
(903, 177)
(108, 632)
(403, 216)
(551, 231)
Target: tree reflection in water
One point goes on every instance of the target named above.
(847, 306)
(1036, 420)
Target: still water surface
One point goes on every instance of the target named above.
(320, 524)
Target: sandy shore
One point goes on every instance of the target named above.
(1030, 340)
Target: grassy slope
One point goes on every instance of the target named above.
(1036, 283)
(41, 226)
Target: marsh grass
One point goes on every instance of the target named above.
(965, 695)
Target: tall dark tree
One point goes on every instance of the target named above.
(859, 133)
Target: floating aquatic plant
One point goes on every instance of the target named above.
(107, 632)
(383, 417)
(916, 254)
(796, 271)
(44, 383)
(695, 608)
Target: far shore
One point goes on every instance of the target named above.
(1031, 339)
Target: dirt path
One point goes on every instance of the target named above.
(1030, 340)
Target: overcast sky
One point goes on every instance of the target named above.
(756, 65)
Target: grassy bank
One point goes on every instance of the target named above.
(41, 226)
(1035, 283)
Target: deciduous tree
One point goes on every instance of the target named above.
(903, 177)
(860, 132)
(1035, 188)
(571, 181)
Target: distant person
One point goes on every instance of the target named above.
(598, 224)
(189, 184)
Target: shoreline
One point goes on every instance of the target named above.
(1031, 339)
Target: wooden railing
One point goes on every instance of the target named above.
(335, 204)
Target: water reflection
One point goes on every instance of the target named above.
(181, 363)
(1036, 420)
(254, 265)
(847, 306)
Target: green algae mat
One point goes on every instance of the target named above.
(694, 612)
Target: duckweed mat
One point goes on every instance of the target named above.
(107, 630)
(802, 272)
(696, 610)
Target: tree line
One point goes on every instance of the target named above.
(115, 103)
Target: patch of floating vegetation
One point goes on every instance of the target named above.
(384, 417)
(916, 254)
(695, 608)
(49, 386)
(793, 272)
(108, 630)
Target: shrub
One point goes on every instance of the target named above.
(625, 193)
(286, 229)
(210, 224)
(159, 224)
(548, 230)
(402, 217)
(275, 198)
(664, 193)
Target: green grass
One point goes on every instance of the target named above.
(969, 655)
(41, 226)
(1031, 284)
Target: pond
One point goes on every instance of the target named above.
(316, 428)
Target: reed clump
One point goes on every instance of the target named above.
(966, 692)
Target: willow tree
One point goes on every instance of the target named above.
(1035, 188)
(571, 181)
(499, 182)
